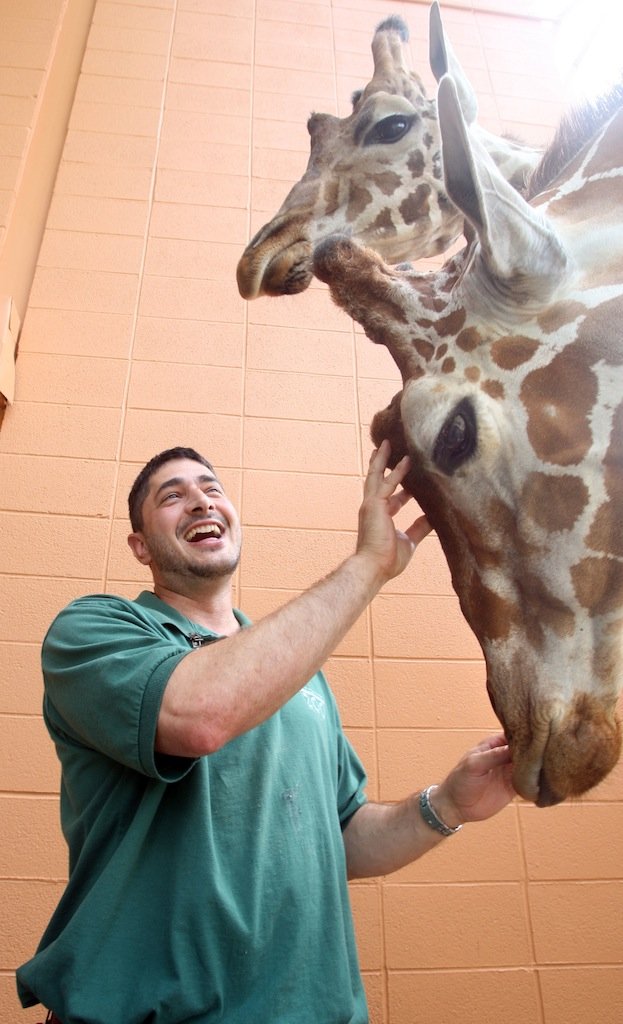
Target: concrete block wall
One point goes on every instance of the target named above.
(186, 131)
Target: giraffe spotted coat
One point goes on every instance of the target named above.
(512, 413)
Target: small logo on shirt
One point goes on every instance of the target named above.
(315, 702)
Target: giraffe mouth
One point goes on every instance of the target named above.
(277, 261)
(546, 796)
(571, 754)
(297, 262)
(529, 778)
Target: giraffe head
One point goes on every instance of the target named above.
(375, 174)
(512, 413)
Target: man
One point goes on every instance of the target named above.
(212, 805)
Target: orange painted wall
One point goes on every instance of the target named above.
(187, 129)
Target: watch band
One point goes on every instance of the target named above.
(431, 818)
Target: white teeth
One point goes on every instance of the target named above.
(207, 529)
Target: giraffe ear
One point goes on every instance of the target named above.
(517, 245)
(443, 61)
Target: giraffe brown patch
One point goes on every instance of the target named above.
(592, 202)
(559, 314)
(489, 615)
(472, 374)
(558, 399)
(484, 554)
(387, 182)
(358, 200)
(541, 610)
(493, 388)
(553, 502)
(598, 584)
(536, 606)
(331, 196)
(426, 300)
(448, 365)
(535, 611)
(607, 655)
(450, 324)
(417, 205)
(605, 533)
(609, 271)
(424, 348)
(441, 351)
(384, 223)
(468, 339)
(509, 353)
(415, 163)
(599, 333)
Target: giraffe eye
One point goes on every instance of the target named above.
(457, 439)
(390, 129)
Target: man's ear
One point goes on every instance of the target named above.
(139, 548)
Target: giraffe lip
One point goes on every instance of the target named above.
(546, 797)
(281, 271)
(289, 270)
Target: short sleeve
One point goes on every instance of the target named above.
(106, 662)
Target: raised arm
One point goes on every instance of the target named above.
(222, 690)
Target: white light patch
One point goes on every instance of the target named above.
(588, 45)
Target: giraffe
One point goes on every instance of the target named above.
(511, 411)
(376, 173)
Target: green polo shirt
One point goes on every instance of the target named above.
(199, 890)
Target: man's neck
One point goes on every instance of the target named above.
(209, 607)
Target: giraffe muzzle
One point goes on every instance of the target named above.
(575, 755)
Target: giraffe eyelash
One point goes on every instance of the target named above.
(457, 440)
(390, 130)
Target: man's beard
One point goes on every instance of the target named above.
(171, 562)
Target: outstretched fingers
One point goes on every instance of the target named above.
(381, 482)
(490, 753)
(418, 530)
(497, 739)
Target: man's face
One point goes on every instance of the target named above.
(190, 527)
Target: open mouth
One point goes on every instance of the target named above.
(203, 531)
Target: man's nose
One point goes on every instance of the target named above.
(199, 500)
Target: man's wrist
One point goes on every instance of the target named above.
(437, 814)
(367, 565)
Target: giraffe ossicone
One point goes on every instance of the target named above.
(511, 411)
(376, 174)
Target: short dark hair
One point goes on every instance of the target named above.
(140, 487)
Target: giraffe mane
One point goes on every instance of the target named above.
(576, 129)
